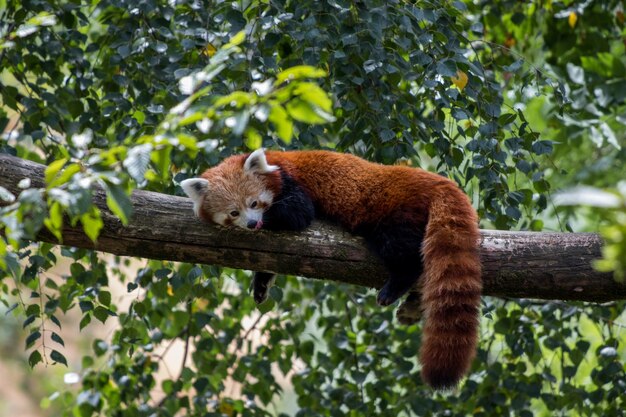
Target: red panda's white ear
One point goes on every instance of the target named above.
(257, 163)
(196, 189)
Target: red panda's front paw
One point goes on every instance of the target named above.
(392, 290)
(386, 296)
(261, 285)
(260, 291)
(260, 296)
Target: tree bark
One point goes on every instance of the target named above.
(515, 264)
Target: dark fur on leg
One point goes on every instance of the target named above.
(261, 284)
(292, 209)
(398, 241)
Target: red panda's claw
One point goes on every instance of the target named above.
(260, 297)
(384, 298)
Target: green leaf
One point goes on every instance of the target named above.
(542, 147)
(253, 139)
(33, 310)
(536, 225)
(85, 321)
(29, 320)
(541, 186)
(161, 160)
(136, 163)
(299, 72)
(193, 118)
(235, 99)
(92, 223)
(3, 253)
(55, 337)
(56, 356)
(100, 347)
(266, 306)
(507, 118)
(104, 297)
(276, 294)
(101, 314)
(447, 68)
(139, 116)
(54, 221)
(85, 306)
(34, 358)
(55, 320)
(25, 30)
(119, 203)
(52, 169)
(313, 94)
(32, 338)
(303, 111)
(284, 126)
(76, 108)
(237, 39)
(43, 19)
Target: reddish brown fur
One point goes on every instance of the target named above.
(354, 191)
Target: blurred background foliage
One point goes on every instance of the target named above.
(514, 100)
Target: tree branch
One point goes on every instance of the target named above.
(515, 264)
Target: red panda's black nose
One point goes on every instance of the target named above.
(251, 224)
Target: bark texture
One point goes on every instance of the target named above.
(515, 264)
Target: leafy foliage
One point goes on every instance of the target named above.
(120, 95)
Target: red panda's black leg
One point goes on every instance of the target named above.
(261, 284)
(398, 241)
(395, 287)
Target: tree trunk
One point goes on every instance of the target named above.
(515, 264)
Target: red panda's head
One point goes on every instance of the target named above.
(235, 192)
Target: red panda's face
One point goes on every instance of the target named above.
(233, 193)
(237, 200)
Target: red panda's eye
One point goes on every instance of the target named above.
(253, 205)
(234, 213)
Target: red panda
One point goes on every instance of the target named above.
(419, 223)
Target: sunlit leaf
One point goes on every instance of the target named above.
(54, 221)
(572, 19)
(253, 139)
(303, 111)
(92, 223)
(299, 72)
(283, 125)
(52, 169)
(460, 80)
(314, 94)
(209, 50)
(237, 39)
(64, 176)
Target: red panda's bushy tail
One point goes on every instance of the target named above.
(451, 289)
